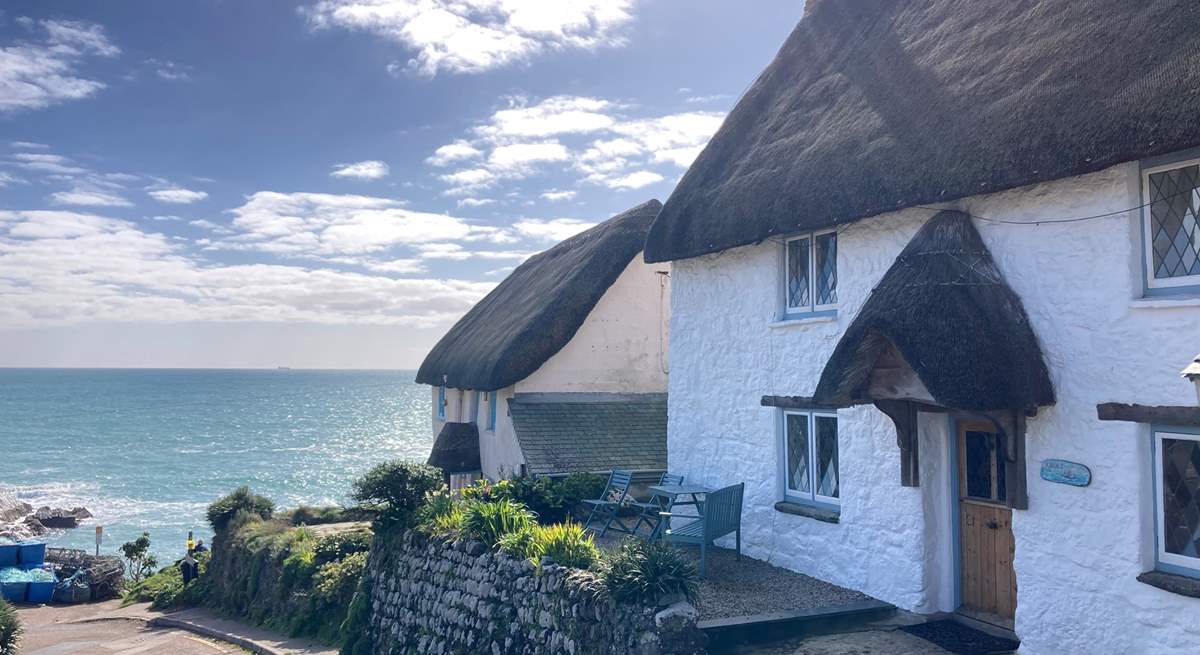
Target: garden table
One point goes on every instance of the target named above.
(680, 495)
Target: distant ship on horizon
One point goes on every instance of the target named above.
(283, 368)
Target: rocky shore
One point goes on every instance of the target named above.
(19, 520)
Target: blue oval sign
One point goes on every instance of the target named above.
(1064, 472)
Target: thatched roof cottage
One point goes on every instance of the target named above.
(932, 281)
(562, 367)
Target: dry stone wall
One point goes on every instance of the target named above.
(437, 597)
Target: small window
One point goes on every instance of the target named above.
(493, 400)
(810, 453)
(1177, 502)
(441, 408)
(1172, 225)
(811, 284)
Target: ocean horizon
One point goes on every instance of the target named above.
(147, 449)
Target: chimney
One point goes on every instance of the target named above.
(1192, 373)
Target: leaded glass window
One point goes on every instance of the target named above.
(1178, 499)
(799, 287)
(810, 467)
(1172, 225)
(811, 276)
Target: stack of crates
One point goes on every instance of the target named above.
(25, 557)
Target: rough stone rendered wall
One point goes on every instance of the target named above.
(431, 596)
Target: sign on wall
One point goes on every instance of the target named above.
(1064, 472)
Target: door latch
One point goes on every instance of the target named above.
(992, 524)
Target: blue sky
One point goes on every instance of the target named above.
(328, 183)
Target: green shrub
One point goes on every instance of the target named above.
(341, 545)
(396, 489)
(10, 629)
(165, 590)
(306, 515)
(642, 572)
(446, 525)
(567, 544)
(139, 562)
(487, 522)
(550, 498)
(222, 512)
(335, 582)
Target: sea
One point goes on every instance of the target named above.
(146, 450)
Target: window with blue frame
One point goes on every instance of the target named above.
(493, 400)
(810, 458)
(810, 284)
(1171, 223)
(1177, 502)
(441, 401)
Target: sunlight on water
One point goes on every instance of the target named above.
(149, 449)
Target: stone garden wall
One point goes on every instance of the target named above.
(431, 596)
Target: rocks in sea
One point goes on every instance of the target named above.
(13, 509)
(61, 518)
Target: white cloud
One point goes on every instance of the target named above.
(452, 152)
(555, 196)
(555, 229)
(320, 224)
(177, 195)
(61, 268)
(372, 169)
(206, 224)
(471, 36)
(37, 74)
(88, 197)
(621, 152)
(28, 145)
(47, 163)
(455, 252)
(7, 179)
(169, 70)
(701, 100)
(476, 202)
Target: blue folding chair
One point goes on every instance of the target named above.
(606, 507)
(659, 502)
(722, 515)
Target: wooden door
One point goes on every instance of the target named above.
(989, 585)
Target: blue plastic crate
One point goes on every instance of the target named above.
(9, 554)
(32, 554)
(39, 592)
(14, 592)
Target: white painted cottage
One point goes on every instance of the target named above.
(562, 367)
(933, 281)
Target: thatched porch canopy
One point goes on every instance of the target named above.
(943, 309)
(456, 449)
(538, 308)
(876, 105)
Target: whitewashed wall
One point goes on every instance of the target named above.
(621, 347)
(1078, 550)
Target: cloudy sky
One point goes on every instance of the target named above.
(329, 183)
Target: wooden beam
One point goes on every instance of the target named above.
(1166, 415)
(904, 415)
(800, 402)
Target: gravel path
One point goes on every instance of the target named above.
(870, 642)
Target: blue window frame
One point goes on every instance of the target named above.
(493, 400)
(809, 458)
(1177, 500)
(1171, 227)
(810, 274)
(441, 408)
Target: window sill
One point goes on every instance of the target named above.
(1165, 302)
(1176, 584)
(803, 320)
(818, 513)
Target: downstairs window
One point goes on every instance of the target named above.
(810, 458)
(1177, 502)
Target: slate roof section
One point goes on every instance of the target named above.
(598, 432)
(876, 105)
(538, 308)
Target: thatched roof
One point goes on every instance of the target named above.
(456, 449)
(536, 310)
(876, 105)
(945, 307)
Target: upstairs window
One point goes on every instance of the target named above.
(493, 400)
(1172, 228)
(811, 273)
(810, 458)
(441, 402)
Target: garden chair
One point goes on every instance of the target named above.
(659, 502)
(722, 515)
(609, 504)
